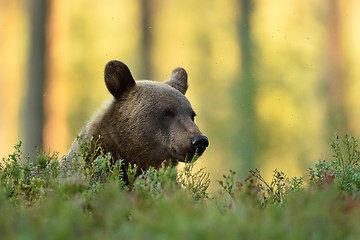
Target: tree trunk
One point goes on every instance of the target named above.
(146, 12)
(335, 76)
(245, 137)
(34, 113)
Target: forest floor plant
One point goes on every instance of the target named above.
(44, 198)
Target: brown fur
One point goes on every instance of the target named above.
(147, 122)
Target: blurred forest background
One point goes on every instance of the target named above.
(271, 81)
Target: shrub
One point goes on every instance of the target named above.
(48, 199)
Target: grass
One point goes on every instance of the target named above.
(50, 200)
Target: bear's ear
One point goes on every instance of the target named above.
(178, 80)
(118, 78)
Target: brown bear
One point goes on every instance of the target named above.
(147, 123)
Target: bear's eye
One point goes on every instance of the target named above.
(167, 113)
(193, 115)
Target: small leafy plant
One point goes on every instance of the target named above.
(197, 183)
(343, 170)
(257, 190)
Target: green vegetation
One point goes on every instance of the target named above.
(52, 200)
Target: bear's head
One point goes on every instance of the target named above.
(147, 122)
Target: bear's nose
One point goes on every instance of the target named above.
(199, 143)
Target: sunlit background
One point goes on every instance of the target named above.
(271, 81)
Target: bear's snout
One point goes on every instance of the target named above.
(199, 143)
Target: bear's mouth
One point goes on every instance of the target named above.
(191, 153)
(188, 157)
(176, 157)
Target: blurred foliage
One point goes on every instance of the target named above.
(47, 199)
(291, 65)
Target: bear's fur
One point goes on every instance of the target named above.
(147, 123)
